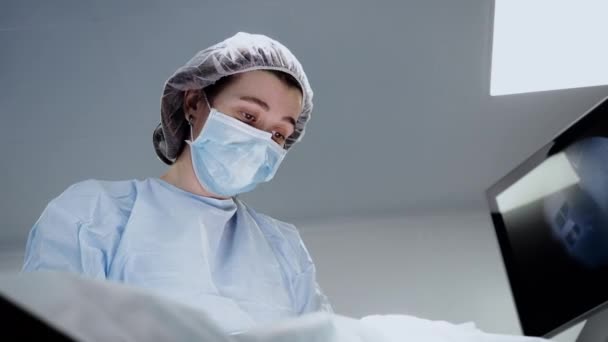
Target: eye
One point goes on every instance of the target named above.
(278, 138)
(248, 117)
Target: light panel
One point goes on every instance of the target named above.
(543, 45)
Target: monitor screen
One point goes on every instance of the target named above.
(550, 214)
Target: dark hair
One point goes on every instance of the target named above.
(213, 90)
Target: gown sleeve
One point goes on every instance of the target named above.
(78, 231)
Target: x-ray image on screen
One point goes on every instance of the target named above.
(550, 215)
(578, 214)
(555, 215)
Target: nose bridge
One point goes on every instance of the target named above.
(264, 124)
(269, 119)
(269, 122)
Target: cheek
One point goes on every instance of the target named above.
(199, 124)
(198, 127)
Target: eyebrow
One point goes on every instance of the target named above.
(256, 101)
(266, 107)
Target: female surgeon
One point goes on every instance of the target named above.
(228, 118)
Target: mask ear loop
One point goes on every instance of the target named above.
(190, 123)
(190, 118)
(206, 101)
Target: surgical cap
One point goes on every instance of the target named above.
(240, 53)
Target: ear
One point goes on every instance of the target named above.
(193, 99)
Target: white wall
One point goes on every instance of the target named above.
(11, 258)
(439, 267)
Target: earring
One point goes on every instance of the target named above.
(190, 120)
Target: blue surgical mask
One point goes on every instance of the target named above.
(230, 157)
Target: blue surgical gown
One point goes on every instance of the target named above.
(241, 267)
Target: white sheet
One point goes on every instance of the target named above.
(91, 310)
(377, 328)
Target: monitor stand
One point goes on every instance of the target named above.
(595, 329)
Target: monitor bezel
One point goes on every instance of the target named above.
(564, 138)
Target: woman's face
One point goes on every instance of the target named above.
(258, 98)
